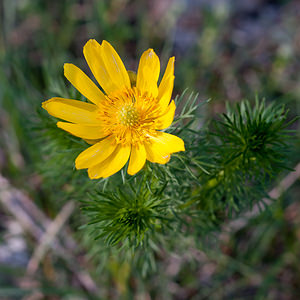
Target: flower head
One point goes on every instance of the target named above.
(123, 122)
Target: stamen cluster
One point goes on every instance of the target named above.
(129, 117)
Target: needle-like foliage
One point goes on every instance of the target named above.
(129, 213)
(226, 168)
(245, 148)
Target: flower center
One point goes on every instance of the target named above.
(128, 115)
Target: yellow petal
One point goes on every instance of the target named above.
(72, 110)
(137, 159)
(166, 119)
(82, 131)
(115, 66)
(161, 146)
(112, 164)
(93, 54)
(165, 88)
(95, 154)
(148, 73)
(156, 157)
(83, 83)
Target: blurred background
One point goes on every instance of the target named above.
(225, 50)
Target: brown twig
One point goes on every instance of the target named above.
(35, 222)
(49, 236)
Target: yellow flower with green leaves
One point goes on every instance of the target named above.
(123, 122)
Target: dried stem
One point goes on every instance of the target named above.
(48, 237)
(35, 222)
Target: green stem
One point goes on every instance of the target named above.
(213, 182)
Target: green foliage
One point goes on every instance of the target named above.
(254, 138)
(244, 150)
(224, 170)
(129, 213)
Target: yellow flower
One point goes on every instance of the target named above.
(123, 122)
